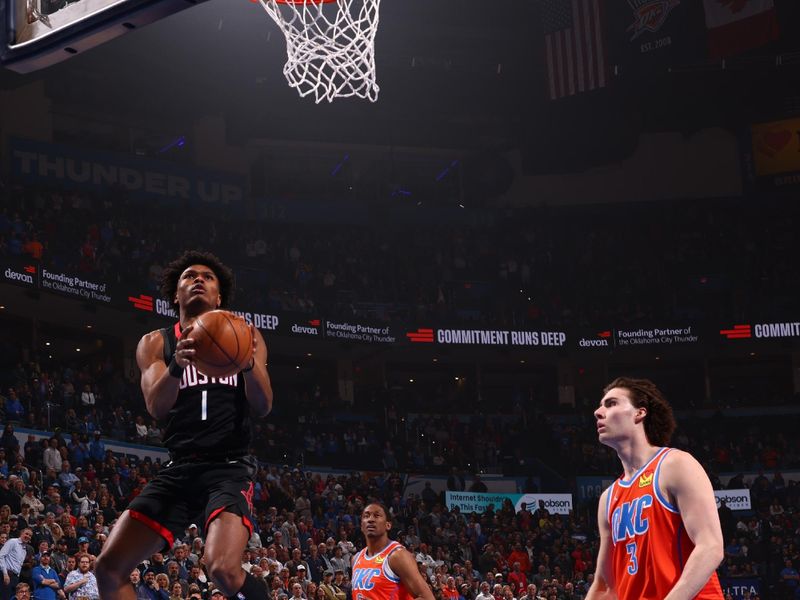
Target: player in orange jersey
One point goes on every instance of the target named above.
(384, 570)
(660, 536)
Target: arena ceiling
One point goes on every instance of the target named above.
(453, 74)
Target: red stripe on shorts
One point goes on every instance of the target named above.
(154, 525)
(245, 521)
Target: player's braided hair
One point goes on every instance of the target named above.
(171, 273)
(659, 424)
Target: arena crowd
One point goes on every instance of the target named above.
(694, 259)
(60, 495)
(68, 490)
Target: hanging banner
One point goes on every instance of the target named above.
(776, 152)
(647, 35)
(73, 167)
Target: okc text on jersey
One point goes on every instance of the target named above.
(628, 519)
(362, 578)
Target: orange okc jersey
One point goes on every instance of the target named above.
(373, 578)
(649, 546)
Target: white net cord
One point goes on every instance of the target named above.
(330, 46)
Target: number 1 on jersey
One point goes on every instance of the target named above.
(633, 567)
(204, 408)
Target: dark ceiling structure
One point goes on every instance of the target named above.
(463, 74)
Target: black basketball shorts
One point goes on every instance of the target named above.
(182, 492)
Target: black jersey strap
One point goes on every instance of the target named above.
(169, 350)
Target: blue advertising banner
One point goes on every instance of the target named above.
(72, 167)
(24, 271)
(737, 587)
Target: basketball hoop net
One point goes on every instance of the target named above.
(330, 46)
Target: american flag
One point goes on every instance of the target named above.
(574, 46)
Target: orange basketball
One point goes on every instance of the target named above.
(224, 343)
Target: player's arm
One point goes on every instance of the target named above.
(405, 567)
(159, 386)
(258, 386)
(686, 483)
(603, 584)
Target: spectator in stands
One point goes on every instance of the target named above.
(518, 555)
(174, 574)
(316, 565)
(7, 496)
(176, 591)
(181, 554)
(88, 399)
(14, 409)
(41, 532)
(141, 430)
(157, 564)
(530, 593)
(4, 466)
(138, 585)
(89, 505)
(149, 590)
(12, 556)
(297, 592)
(78, 450)
(59, 556)
(83, 545)
(789, 576)
(52, 457)
(331, 590)
(97, 448)
(33, 503)
(197, 577)
(33, 451)
(46, 584)
(81, 582)
(9, 441)
(70, 565)
(23, 591)
(162, 581)
(449, 590)
(67, 479)
(517, 579)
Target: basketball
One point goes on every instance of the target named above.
(224, 343)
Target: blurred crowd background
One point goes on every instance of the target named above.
(323, 458)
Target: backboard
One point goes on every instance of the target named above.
(38, 33)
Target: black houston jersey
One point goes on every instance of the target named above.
(211, 415)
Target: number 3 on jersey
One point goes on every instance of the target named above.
(633, 567)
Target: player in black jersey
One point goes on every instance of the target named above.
(207, 434)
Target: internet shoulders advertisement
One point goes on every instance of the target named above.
(477, 502)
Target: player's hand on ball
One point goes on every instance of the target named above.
(184, 350)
